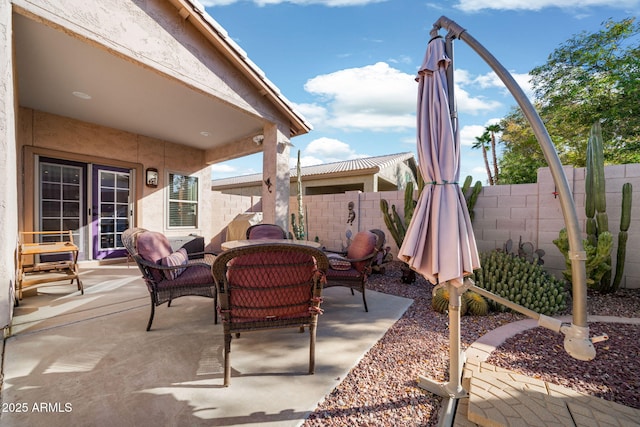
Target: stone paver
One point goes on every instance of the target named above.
(501, 398)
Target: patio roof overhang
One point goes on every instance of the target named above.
(53, 64)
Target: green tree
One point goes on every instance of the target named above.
(590, 77)
(493, 130)
(522, 155)
(594, 77)
(482, 143)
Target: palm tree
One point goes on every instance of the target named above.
(481, 143)
(493, 129)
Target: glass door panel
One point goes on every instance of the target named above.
(111, 210)
(61, 190)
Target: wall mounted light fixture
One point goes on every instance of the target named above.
(152, 177)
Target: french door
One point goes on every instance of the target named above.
(111, 210)
(62, 201)
(93, 201)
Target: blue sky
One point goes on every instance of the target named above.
(349, 65)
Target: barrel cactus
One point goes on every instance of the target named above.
(599, 242)
(521, 282)
(477, 305)
(470, 303)
(440, 301)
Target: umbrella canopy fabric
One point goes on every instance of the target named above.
(439, 242)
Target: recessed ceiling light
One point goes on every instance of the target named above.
(205, 133)
(81, 95)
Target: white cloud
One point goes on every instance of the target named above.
(402, 59)
(329, 147)
(330, 3)
(314, 113)
(381, 98)
(469, 133)
(304, 161)
(524, 81)
(473, 105)
(328, 150)
(463, 77)
(477, 5)
(480, 171)
(373, 97)
(466, 81)
(491, 80)
(222, 168)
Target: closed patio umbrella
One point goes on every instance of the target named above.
(439, 242)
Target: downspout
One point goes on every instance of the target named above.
(577, 342)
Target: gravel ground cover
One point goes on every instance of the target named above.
(381, 390)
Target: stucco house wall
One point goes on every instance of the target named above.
(8, 169)
(173, 42)
(48, 135)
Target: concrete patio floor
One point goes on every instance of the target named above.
(87, 360)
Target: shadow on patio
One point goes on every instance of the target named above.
(87, 359)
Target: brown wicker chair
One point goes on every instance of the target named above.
(168, 274)
(265, 231)
(269, 286)
(351, 269)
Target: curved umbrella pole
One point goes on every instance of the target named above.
(577, 342)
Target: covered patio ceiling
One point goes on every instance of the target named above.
(56, 70)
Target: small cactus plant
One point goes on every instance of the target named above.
(526, 251)
(519, 281)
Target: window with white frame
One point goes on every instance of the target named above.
(183, 201)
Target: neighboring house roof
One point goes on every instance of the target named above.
(358, 166)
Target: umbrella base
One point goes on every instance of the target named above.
(448, 389)
(453, 388)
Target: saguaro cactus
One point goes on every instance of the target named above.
(396, 224)
(599, 241)
(471, 194)
(298, 226)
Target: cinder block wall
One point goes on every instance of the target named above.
(533, 212)
(528, 211)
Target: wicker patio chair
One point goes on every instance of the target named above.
(169, 275)
(265, 231)
(269, 286)
(351, 269)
